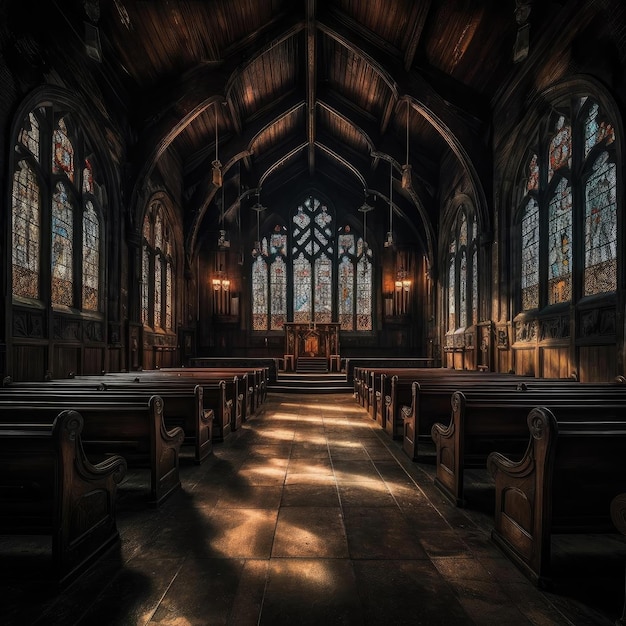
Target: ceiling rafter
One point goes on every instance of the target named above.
(311, 80)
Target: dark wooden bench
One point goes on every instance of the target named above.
(484, 421)
(234, 386)
(184, 404)
(618, 516)
(564, 483)
(49, 487)
(133, 428)
(422, 404)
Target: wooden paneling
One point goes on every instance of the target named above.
(28, 362)
(555, 363)
(93, 361)
(597, 363)
(66, 360)
(525, 361)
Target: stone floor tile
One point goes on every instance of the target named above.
(310, 532)
(311, 592)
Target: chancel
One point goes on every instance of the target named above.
(313, 312)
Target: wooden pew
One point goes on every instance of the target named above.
(133, 428)
(484, 421)
(49, 487)
(564, 483)
(231, 409)
(430, 400)
(618, 516)
(184, 404)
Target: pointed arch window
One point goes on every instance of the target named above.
(312, 254)
(569, 209)
(269, 282)
(157, 270)
(463, 272)
(355, 282)
(48, 147)
(322, 275)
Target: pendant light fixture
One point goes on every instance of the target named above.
(406, 168)
(365, 208)
(217, 166)
(259, 208)
(223, 241)
(389, 237)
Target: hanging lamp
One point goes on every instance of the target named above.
(217, 166)
(259, 208)
(406, 168)
(223, 241)
(365, 208)
(389, 237)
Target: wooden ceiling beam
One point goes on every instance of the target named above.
(419, 14)
(311, 80)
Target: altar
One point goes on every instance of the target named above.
(319, 340)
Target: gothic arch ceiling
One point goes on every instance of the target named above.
(307, 92)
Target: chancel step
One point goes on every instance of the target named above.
(310, 383)
(314, 364)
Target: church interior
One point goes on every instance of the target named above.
(299, 260)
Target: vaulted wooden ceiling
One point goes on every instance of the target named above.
(306, 93)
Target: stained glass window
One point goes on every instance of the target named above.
(157, 270)
(597, 131)
(552, 247)
(560, 153)
(25, 233)
(463, 289)
(601, 227)
(452, 291)
(364, 288)
(91, 258)
(62, 247)
(145, 285)
(530, 256)
(463, 278)
(533, 174)
(29, 136)
(560, 244)
(278, 288)
(259, 294)
(312, 262)
(168, 296)
(63, 151)
(72, 218)
(345, 298)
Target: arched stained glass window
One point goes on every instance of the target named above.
(354, 282)
(62, 247)
(157, 269)
(91, 258)
(601, 227)
(55, 202)
(530, 256)
(63, 151)
(26, 232)
(569, 221)
(463, 272)
(312, 252)
(320, 277)
(560, 244)
(560, 152)
(29, 136)
(269, 282)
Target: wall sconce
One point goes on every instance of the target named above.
(221, 283)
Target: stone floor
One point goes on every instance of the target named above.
(309, 514)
